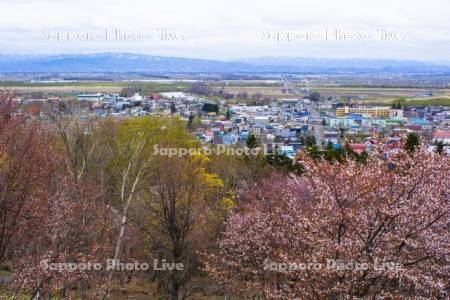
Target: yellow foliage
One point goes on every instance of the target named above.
(227, 203)
(210, 180)
(3, 159)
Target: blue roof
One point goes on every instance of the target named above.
(418, 121)
(355, 116)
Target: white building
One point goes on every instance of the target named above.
(91, 97)
(442, 136)
(341, 122)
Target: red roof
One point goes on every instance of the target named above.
(414, 127)
(154, 96)
(358, 148)
(396, 145)
(442, 134)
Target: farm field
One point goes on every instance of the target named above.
(92, 87)
(378, 92)
(272, 89)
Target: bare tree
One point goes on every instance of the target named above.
(75, 137)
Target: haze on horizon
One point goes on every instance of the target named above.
(230, 30)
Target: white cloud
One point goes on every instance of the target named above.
(232, 28)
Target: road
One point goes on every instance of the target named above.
(314, 114)
(317, 125)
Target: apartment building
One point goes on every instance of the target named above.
(375, 112)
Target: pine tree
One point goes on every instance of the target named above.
(190, 120)
(310, 140)
(412, 142)
(314, 152)
(228, 114)
(439, 147)
(282, 162)
(252, 141)
(173, 109)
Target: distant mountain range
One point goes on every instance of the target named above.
(128, 62)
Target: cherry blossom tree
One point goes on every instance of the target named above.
(344, 230)
(26, 166)
(66, 237)
(45, 216)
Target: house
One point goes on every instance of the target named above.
(91, 97)
(229, 138)
(341, 122)
(288, 151)
(419, 121)
(243, 135)
(442, 136)
(330, 136)
(358, 148)
(208, 136)
(173, 95)
(154, 96)
(396, 113)
(374, 121)
(257, 131)
(261, 120)
(414, 128)
(227, 125)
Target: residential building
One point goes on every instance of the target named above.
(342, 122)
(91, 97)
(375, 112)
(442, 136)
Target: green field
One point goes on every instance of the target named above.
(95, 86)
(404, 101)
(371, 95)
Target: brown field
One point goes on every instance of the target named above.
(274, 92)
(66, 89)
(379, 92)
(369, 93)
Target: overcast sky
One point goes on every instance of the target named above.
(231, 29)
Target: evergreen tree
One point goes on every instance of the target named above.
(302, 140)
(341, 132)
(190, 120)
(252, 141)
(282, 162)
(314, 152)
(210, 107)
(173, 109)
(310, 140)
(439, 147)
(412, 142)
